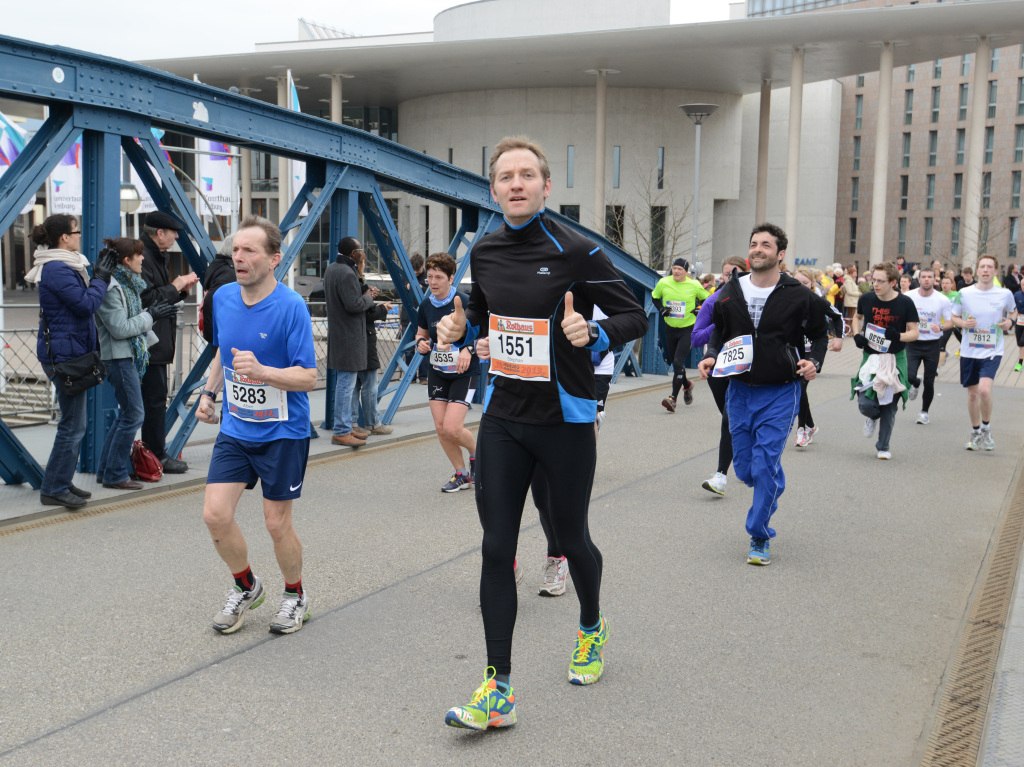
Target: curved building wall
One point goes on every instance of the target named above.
(528, 18)
(639, 122)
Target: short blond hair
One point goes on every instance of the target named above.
(510, 143)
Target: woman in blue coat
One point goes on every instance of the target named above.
(68, 299)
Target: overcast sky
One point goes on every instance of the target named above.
(195, 28)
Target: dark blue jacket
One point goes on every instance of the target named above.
(69, 307)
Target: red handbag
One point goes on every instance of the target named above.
(145, 465)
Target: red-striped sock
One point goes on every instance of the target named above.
(244, 579)
(294, 588)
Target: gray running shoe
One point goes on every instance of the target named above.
(555, 571)
(987, 443)
(230, 619)
(869, 427)
(294, 610)
(922, 417)
(914, 391)
(974, 441)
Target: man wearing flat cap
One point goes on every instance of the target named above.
(158, 234)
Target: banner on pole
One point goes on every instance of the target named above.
(214, 178)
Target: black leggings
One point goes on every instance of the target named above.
(928, 353)
(719, 386)
(677, 346)
(804, 419)
(508, 454)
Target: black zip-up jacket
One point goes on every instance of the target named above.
(790, 313)
(525, 272)
(158, 286)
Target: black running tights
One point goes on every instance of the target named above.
(719, 386)
(677, 344)
(508, 453)
(805, 419)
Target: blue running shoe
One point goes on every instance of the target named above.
(759, 552)
(587, 662)
(459, 481)
(489, 707)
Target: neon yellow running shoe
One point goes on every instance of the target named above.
(489, 707)
(587, 659)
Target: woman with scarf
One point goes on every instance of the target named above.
(68, 298)
(123, 326)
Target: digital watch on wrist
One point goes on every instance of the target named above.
(593, 330)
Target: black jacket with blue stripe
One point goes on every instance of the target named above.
(525, 272)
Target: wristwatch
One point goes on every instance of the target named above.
(593, 330)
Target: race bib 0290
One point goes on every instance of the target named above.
(520, 348)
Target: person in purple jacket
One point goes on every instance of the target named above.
(702, 330)
(68, 299)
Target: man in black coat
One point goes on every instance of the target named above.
(159, 233)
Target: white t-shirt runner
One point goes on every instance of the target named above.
(755, 298)
(935, 308)
(988, 307)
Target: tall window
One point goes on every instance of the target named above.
(901, 242)
(657, 235)
(958, 190)
(930, 198)
(859, 102)
(994, 67)
(910, 73)
(965, 65)
(928, 236)
(906, 150)
(990, 143)
(993, 89)
(936, 98)
(908, 107)
(1020, 95)
(933, 147)
(962, 111)
(853, 235)
(570, 211)
(954, 240)
(855, 194)
(1014, 233)
(860, 81)
(614, 222)
(1018, 144)
(937, 69)
(1015, 189)
(856, 152)
(986, 190)
(960, 140)
(904, 191)
(570, 167)
(661, 167)
(616, 157)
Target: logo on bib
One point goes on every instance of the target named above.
(514, 326)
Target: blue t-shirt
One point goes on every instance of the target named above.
(430, 315)
(279, 332)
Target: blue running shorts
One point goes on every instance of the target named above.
(280, 465)
(973, 370)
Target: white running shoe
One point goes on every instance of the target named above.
(293, 612)
(801, 437)
(869, 427)
(974, 441)
(884, 455)
(716, 484)
(987, 443)
(809, 432)
(518, 571)
(922, 417)
(230, 619)
(914, 391)
(555, 571)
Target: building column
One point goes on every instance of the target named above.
(336, 99)
(876, 248)
(764, 118)
(970, 227)
(601, 108)
(796, 110)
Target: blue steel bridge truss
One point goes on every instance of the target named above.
(114, 105)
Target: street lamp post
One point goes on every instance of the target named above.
(697, 113)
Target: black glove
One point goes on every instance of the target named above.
(892, 334)
(665, 311)
(106, 263)
(860, 340)
(161, 309)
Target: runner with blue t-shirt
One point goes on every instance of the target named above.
(266, 364)
(453, 374)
